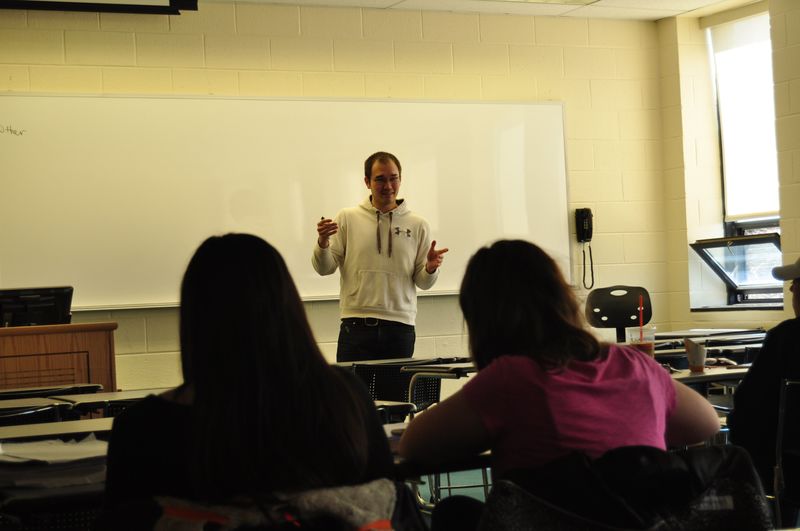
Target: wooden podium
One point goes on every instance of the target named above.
(53, 355)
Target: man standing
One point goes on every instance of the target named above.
(382, 251)
(754, 419)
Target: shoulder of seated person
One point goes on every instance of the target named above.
(179, 395)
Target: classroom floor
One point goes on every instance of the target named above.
(468, 483)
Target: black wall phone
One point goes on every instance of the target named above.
(583, 224)
(583, 230)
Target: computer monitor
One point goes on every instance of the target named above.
(35, 306)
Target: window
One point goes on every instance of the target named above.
(742, 61)
(743, 259)
(744, 263)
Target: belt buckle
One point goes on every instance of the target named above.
(371, 321)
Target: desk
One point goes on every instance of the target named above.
(741, 346)
(50, 430)
(43, 392)
(75, 428)
(403, 361)
(32, 410)
(57, 355)
(34, 402)
(409, 470)
(385, 380)
(697, 333)
(711, 374)
(439, 370)
(84, 403)
(712, 350)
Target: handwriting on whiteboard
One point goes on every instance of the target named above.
(9, 130)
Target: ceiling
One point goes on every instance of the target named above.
(618, 9)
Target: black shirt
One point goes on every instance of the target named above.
(754, 420)
(149, 450)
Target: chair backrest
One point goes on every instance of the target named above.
(787, 445)
(618, 307)
(378, 504)
(637, 487)
(73, 508)
(509, 507)
(385, 381)
(114, 408)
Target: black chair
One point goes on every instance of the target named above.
(115, 407)
(786, 487)
(509, 507)
(324, 509)
(385, 381)
(710, 488)
(73, 508)
(389, 411)
(618, 307)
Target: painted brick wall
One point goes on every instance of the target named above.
(620, 81)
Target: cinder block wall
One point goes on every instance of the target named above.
(785, 34)
(610, 74)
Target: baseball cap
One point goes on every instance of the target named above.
(787, 272)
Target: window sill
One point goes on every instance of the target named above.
(740, 307)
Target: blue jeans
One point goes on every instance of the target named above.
(374, 339)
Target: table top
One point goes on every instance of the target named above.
(696, 333)
(32, 402)
(68, 428)
(404, 361)
(101, 399)
(711, 374)
(25, 392)
(391, 403)
(459, 369)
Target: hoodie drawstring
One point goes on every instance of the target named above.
(378, 232)
(390, 234)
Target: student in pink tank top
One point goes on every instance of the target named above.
(545, 386)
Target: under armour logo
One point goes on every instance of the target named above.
(397, 232)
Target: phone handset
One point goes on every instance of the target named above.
(583, 224)
(583, 230)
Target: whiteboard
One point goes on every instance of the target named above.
(112, 195)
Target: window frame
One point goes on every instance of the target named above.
(736, 294)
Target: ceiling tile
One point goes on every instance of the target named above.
(487, 6)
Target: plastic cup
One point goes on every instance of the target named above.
(696, 355)
(646, 341)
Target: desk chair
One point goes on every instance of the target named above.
(634, 488)
(618, 307)
(388, 410)
(73, 508)
(385, 381)
(787, 450)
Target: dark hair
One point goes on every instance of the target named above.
(516, 302)
(268, 411)
(384, 158)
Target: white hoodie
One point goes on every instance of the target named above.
(381, 258)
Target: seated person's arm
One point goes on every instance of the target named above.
(446, 431)
(694, 419)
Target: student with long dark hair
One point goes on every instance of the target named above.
(545, 386)
(260, 410)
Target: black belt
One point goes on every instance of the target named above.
(371, 322)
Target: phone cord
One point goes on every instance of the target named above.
(591, 265)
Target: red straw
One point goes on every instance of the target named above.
(641, 317)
